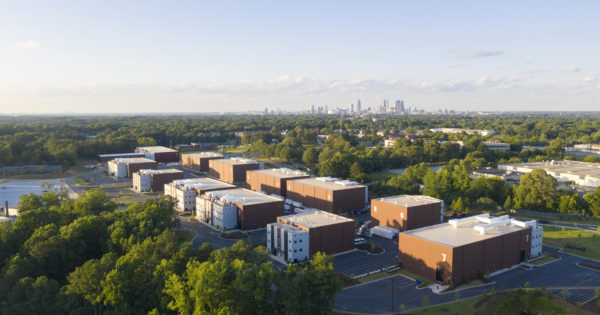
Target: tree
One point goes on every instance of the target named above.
(311, 289)
(146, 142)
(459, 204)
(33, 296)
(537, 191)
(86, 280)
(508, 203)
(310, 156)
(357, 173)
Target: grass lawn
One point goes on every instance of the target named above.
(545, 304)
(465, 306)
(187, 234)
(380, 176)
(555, 236)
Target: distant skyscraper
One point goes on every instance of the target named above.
(399, 106)
(312, 109)
(352, 108)
(358, 106)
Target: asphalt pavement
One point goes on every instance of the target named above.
(563, 273)
(357, 262)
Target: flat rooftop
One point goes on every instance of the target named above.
(242, 196)
(329, 183)
(202, 183)
(281, 172)
(156, 149)
(446, 234)
(314, 219)
(120, 154)
(203, 154)
(559, 167)
(410, 200)
(163, 171)
(132, 160)
(236, 161)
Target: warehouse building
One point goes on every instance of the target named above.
(579, 173)
(407, 212)
(238, 209)
(273, 181)
(297, 237)
(199, 161)
(108, 157)
(185, 191)
(464, 249)
(159, 154)
(232, 170)
(126, 167)
(154, 180)
(327, 193)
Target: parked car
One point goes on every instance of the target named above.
(359, 240)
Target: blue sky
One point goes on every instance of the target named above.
(193, 56)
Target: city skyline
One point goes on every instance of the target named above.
(151, 57)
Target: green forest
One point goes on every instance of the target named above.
(63, 256)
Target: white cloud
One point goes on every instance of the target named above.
(29, 44)
(572, 69)
(589, 79)
(475, 54)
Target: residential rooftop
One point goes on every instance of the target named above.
(240, 196)
(281, 172)
(410, 200)
(465, 231)
(314, 219)
(328, 183)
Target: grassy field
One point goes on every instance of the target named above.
(558, 237)
(380, 176)
(545, 304)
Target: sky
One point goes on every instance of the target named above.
(221, 56)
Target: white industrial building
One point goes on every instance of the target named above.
(289, 243)
(185, 191)
(124, 167)
(579, 173)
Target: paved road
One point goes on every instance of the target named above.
(207, 234)
(377, 295)
(587, 227)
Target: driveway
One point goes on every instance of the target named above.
(564, 273)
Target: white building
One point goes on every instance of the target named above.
(216, 211)
(579, 173)
(185, 191)
(288, 242)
(118, 168)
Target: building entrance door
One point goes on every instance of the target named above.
(438, 275)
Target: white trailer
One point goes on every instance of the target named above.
(384, 231)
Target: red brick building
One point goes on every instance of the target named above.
(326, 193)
(406, 212)
(232, 170)
(272, 181)
(464, 249)
(199, 161)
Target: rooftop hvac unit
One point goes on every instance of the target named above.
(346, 183)
(326, 179)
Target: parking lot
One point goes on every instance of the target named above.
(357, 262)
(579, 282)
